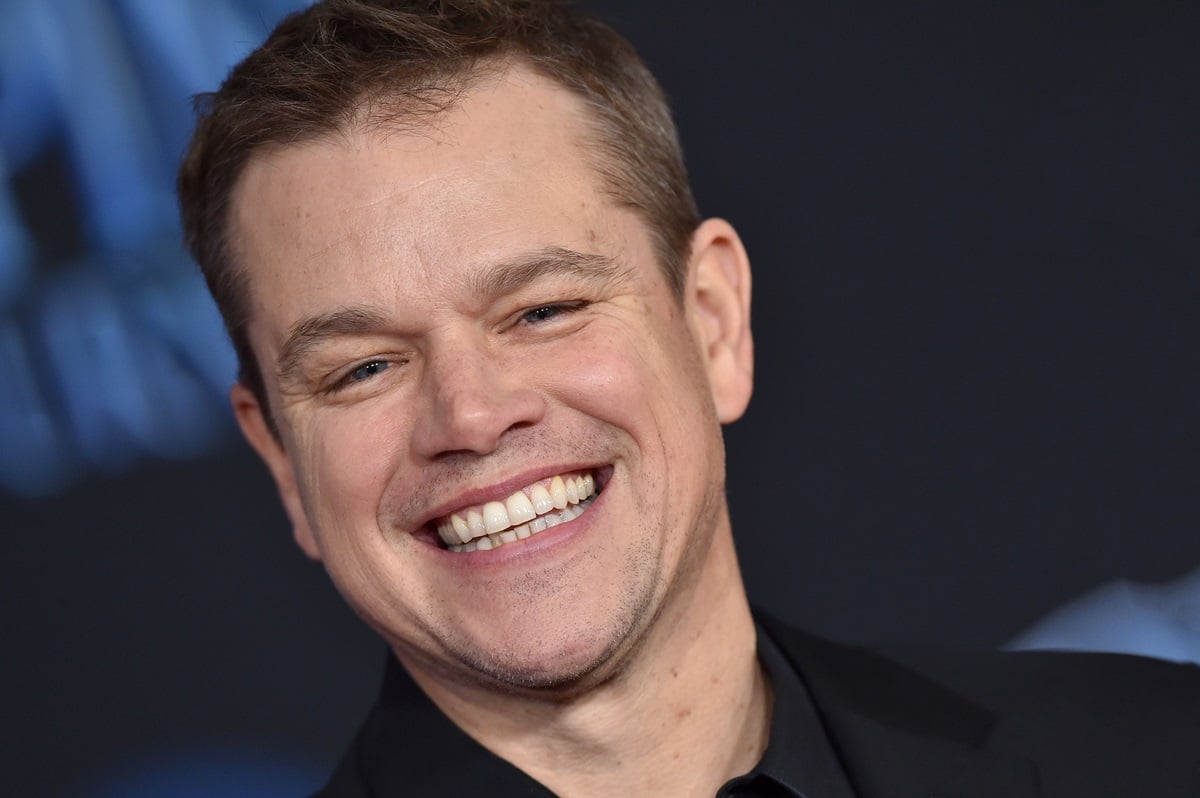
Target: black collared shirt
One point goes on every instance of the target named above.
(407, 747)
(799, 761)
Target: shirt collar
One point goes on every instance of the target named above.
(410, 747)
(799, 759)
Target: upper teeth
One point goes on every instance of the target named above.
(530, 510)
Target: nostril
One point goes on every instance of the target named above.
(476, 420)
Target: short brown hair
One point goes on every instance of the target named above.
(402, 60)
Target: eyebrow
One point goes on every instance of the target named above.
(306, 335)
(513, 275)
(499, 280)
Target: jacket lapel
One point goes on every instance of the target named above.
(899, 734)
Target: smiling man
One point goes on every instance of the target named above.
(487, 346)
(494, 421)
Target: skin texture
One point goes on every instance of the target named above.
(447, 315)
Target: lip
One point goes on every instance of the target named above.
(500, 491)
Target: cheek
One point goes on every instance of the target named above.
(348, 456)
(606, 378)
(644, 380)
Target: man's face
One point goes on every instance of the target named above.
(454, 324)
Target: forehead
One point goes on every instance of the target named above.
(505, 167)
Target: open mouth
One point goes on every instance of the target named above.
(533, 509)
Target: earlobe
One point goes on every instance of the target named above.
(262, 439)
(718, 300)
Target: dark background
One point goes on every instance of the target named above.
(974, 237)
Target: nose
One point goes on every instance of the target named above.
(471, 399)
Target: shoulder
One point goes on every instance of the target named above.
(1103, 718)
(1013, 684)
(1084, 723)
(1068, 690)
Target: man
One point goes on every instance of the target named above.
(487, 346)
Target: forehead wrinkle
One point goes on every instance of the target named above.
(310, 332)
(512, 275)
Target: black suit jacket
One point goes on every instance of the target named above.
(905, 724)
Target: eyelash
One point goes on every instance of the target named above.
(348, 379)
(555, 309)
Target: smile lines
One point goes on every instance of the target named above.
(534, 508)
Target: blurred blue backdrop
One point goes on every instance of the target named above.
(212, 772)
(111, 349)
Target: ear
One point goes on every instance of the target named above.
(252, 420)
(717, 298)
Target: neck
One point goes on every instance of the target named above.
(690, 710)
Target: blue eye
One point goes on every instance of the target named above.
(542, 313)
(548, 312)
(368, 370)
(361, 374)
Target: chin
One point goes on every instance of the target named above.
(562, 675)
(574, 661)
